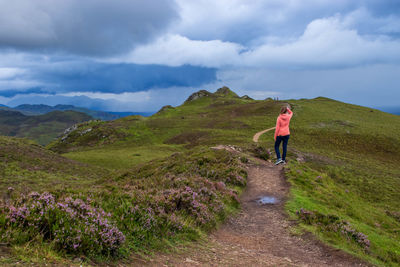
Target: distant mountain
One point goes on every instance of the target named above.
(41, 128)
(30, 110)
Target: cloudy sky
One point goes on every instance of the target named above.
(135, 55)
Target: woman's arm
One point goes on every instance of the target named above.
(289, 111)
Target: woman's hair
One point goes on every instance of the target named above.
(283, 109)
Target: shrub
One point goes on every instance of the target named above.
(244, 159)
(334, 224)
(71, 225)
(200, 203)
(262, 153)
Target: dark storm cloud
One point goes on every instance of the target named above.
(110, 78)
(14, 92)
(89, 27)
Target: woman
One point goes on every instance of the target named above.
(282, 133)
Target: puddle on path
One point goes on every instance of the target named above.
(266, 200)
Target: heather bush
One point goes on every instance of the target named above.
(71, 225)
(335, 224)
(200, 204)
(194, 188)
(173, 199)
(179, 206)
(142, 223)
(262, 152)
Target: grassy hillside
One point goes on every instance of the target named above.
(41, 128)
(54, 210)
(157, 175)
(26, 166)
(346, 168)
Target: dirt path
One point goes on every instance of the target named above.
(259, 235)
(257, 135)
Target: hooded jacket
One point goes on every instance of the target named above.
(282, 124)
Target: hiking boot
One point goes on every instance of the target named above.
(278, 161)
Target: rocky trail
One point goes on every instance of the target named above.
(259, 235)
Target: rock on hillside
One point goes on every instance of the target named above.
(221, 92)
(225, 91)
(246, 97)
(197, 95)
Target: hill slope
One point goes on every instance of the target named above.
(54, 209)
(26, 166)
(347, 170)
(41, 128)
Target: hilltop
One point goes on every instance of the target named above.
(41, 128)
(201, 111)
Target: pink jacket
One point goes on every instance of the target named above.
(282, 124)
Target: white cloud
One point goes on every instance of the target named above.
(10, 73)
(176, 50)
(326, 43)
(242, 20)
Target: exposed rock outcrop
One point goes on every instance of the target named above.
(246, 97)
(221, 92)
(225, 91)
(199, 94)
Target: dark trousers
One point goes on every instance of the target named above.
(278, 141)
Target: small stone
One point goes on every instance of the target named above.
(286, 258)
(191, 261)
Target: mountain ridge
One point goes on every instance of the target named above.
(41, 128)
(40, 109)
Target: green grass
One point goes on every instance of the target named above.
(357, 203)
(122, 157)
(26, 166)
(355, 150)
